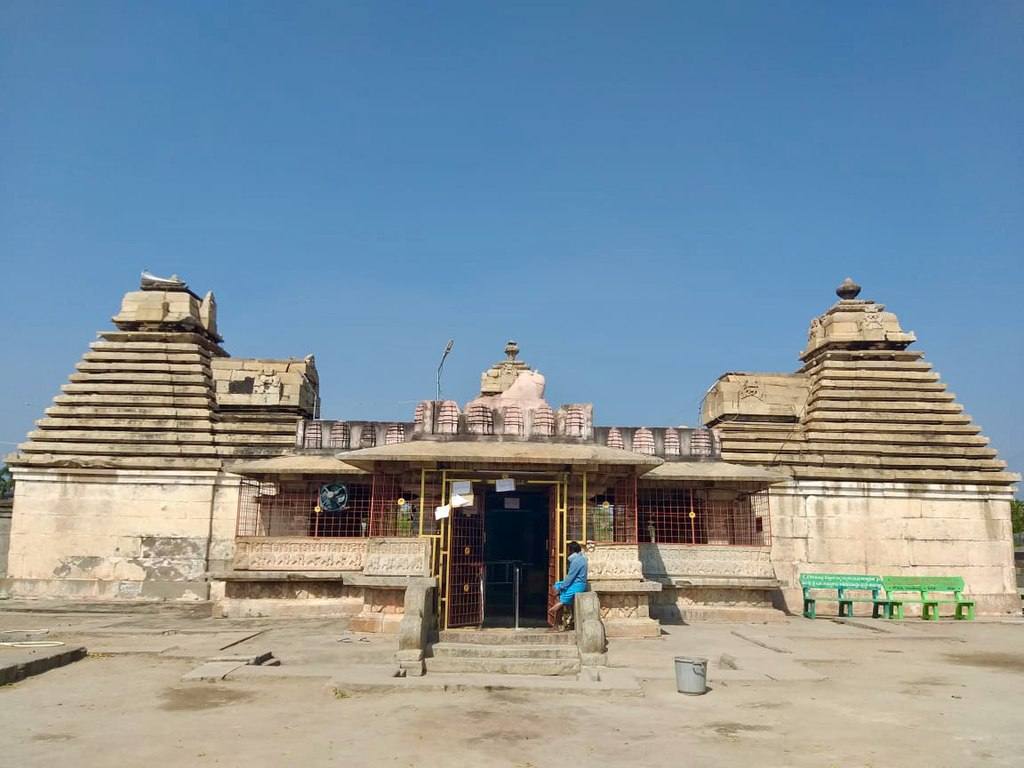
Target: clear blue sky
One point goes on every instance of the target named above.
(644, 195)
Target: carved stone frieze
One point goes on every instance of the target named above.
(299, 554)
(685, 560)
(614, 561)
(397, 557)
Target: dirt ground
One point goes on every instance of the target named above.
(798, 693)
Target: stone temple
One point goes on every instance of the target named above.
(168, 470)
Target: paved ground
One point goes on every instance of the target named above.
(799, 693)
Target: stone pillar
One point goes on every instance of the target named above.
(415, 629)
(590, 634)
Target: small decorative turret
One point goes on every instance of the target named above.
(853, 323)
(502, 375)
(848, 290)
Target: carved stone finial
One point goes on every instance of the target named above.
(511, 350)
(848, 289)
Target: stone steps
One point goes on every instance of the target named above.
(547, 667)
(508, 637)
(515, 651)
(505, 652)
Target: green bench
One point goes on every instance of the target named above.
(926, 587)
(843, 584)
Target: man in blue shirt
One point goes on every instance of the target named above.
(575, 581)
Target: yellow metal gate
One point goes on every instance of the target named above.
(459, 540)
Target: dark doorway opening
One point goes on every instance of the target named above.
(516, 549)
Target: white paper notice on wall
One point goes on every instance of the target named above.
(442, 512)
(511, 502)
(458, 501)
(505, 484)
(462, 488)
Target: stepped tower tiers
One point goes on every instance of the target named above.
(135, 442)
(888, 473)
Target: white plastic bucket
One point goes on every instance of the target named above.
(691, 675)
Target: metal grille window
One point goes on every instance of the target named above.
(671, 515)
(432, 494)
(293, 509)
(610, 509)
(394, 508)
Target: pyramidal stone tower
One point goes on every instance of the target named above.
(123, 476)
(143, 396)
(889, 475)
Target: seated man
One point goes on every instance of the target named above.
(575, 581)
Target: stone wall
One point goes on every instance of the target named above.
(895, 529)
(111, 533)
(370, 605)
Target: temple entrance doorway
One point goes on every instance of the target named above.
(500, 552)
(517, 539)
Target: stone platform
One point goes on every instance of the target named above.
(18, 663)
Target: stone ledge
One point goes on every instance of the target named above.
(618, 586)
(720, 583)
(348, 578)
(20, 663)
(279, 575)
(639, 627)
(388, 582)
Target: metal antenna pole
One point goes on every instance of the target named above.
(447, 349)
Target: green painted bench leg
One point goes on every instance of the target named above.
(961, 608)
(930, 611)
(879, 608)
(845, 608)
(896, 611)
(809, 608)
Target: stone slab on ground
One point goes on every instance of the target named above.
(118, 645)
(211, 671)
(18, 663)
(366, 680)
(257, 658)
(196, 609)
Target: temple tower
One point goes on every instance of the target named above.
(122, 478)
(889, 475)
